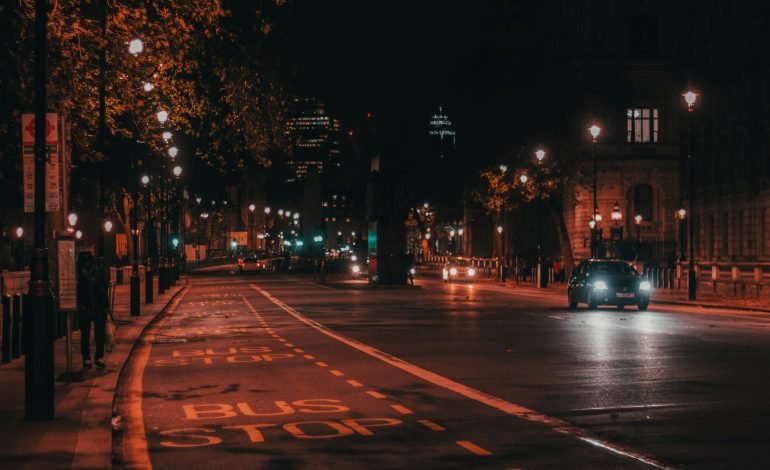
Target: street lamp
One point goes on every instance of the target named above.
(135, 47)
(540, 155)
(177, 171)
(108, 226)
(541, 279)
(638, 223)
(172, 152)
(523, 179)
(148, 275)
(595, 131)
(72, 219)
(681, 215)
(690, 97)
(252, 222)
(503, 168)
(167, 136)
(148, 87)
(162, 116)
(267, 211)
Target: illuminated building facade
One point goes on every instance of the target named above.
(443, 133)
(315, 136)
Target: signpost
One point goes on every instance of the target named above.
(53, 150)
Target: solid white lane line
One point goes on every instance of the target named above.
(513, 409)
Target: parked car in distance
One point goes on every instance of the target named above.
(458, 269)
(598, 282)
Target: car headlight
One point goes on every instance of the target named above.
(356, 268)
(453, 271)
(645, 285)
(411, 271)
(600, 285)
(471, 272)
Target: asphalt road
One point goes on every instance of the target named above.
(279, 372)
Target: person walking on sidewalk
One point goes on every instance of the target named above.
(93, 304)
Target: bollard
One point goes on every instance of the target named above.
(6, 339)
(148, 282)
(16, 346)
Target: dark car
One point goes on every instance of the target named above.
(458, 269)
(608, 282)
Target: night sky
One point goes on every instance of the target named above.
(401, 60)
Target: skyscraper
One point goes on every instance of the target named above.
(315, 136)
(443, 133)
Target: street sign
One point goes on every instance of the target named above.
(53, 155)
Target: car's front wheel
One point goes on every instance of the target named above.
(642, 306)
(570, 301)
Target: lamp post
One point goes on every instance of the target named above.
(148, 276)
(252, 208)
(681, 215)
(174, 268)
(616, 231)
(38, 310)
(541, 278)
(595, 131)
(690, 97)
(638, 223)
(135, 47)
(162, 116)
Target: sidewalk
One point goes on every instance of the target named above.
(81, 434)
(666, 297)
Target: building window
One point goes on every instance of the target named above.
(121, 244)
(643, 201)
(642, 125)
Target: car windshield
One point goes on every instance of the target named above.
(613, 269)
(460, 262)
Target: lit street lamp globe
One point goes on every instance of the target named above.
(616, 215)
(452, 233)
(460, 232)
(690, 97)
(162, 116)
(523, 179)
(177, 171)
(172, 152)
(167, 136)
(78, 234)
(267, 210)
(72, 219)
(503, 168)
(252, 207)
(540, 155)
(198, 199)
(296, 215)
(638, 219)
(19, 232)
(681, 213)
(145, 180)
(108, 226)
(148, 87)
(592, 224)
(280, 212)
(499, 229)
(595, 131)
(136, 46)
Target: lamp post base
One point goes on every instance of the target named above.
(38, 320)
(135, 291)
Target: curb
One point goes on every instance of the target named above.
(680, 303)
(93, 448)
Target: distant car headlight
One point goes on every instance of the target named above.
(645, 285)
(356, 269)
(453, 271)
(600, 285)
(412, 271)
(471, 272)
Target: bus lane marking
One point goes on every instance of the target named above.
(309, 356)
(557, 425)
(470, 446)
(321, 364)
(355, 383)
(431, 425)
(336, 373)
(377, 395)
(402, 409)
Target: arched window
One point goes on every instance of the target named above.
(643, 201)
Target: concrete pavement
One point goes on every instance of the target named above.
(80, 435)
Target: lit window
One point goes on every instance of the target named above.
(642, 125)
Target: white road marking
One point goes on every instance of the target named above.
(513, 409)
